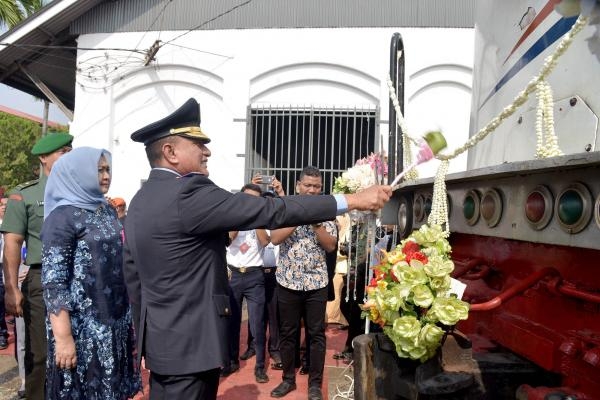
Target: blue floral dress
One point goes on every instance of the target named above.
(82, 273)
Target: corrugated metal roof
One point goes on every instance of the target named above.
(157, 15)
(30, 44)
(58, 23)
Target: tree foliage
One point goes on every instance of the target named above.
(17, 137)
(14, 11)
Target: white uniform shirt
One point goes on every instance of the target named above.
(245, 251)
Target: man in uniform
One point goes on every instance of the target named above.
(175, 265)
(23, 223)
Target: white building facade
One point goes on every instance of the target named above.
(230, 72)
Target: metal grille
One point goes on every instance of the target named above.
(281, 141)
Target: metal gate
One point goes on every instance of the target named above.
(281, 141)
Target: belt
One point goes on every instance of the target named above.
(244, 269)
(268, 270)
(35, 266)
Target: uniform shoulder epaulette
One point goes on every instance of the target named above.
(25, 185)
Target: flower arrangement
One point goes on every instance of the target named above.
(410, 298)
(366, 172)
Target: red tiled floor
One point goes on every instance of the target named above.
(242, 385)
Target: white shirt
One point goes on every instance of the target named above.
(245, 250)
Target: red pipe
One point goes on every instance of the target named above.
(514, 290)
(556, 285)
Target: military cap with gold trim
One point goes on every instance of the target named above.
(185, 121)
(51, 142)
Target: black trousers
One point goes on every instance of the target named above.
(199, 386)
(3, 327)
(271, 315)
(309, 305)
(251, 286)
(36, 348)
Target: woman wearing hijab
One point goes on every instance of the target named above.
(90, 335)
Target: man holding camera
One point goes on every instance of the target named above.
(245, 263)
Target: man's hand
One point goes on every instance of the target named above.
(13, 297)
(13, 300)
(372, 198)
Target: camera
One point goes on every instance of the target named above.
(266, 179)
(267, 182)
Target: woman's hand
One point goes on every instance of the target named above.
(65, 353)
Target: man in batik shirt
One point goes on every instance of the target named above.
(302, 289)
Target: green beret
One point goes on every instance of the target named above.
(51, 142)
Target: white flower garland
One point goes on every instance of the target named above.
(439, 203)
(406, 150)
(547, 142)
(538, 83)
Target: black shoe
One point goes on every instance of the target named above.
(304, 370)
(260, 375)
(3, 343)
(249, 353)
(342, 355)
(277, 365)
(282, 389)
(233, 367)
(314, 393)
(21, 394)
(276, 357)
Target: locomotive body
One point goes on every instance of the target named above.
(525, 232)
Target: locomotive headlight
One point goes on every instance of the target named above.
(491, 207)
(428, 202)
(574, 207)
(405, 214)
(471, 207)
(538, 207)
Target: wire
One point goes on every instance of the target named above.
(200, 51)
(209, 21)
(167, 2)
(42, 46)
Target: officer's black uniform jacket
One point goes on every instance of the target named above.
(175, 265)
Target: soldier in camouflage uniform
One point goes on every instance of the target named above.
(23, 223)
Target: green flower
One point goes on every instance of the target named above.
(441, 284)
(432, 237)
(431, 335)
(437, 267)
(422, 296)
(448, 310)
(407, 327)
(408, 277)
